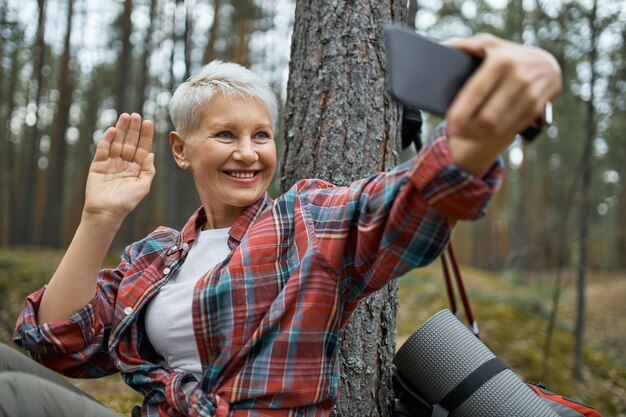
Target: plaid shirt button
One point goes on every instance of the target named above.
(166, 271)
(128, 311)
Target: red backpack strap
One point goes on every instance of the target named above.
(565, 407)
(448, 256)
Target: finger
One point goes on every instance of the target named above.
(476, 91)
(144, 146)
(499, 114)
(131, 138)
(521, 116)
(527, 109)
(476, 45)
(104, 145)
(147, 167)
(120, 131)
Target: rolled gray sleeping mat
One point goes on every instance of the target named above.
(443, 354)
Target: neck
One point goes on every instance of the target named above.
(219, 219)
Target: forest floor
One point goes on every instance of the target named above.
(512, 317)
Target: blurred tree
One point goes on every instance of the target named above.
(124, 61)
(54, 202)
(3, 23)
(242, 25)
(412, 13)
(615, 173)
(144, 73)
(341, 125)
(23, 224)
(209, 50)
(594, 29)
(5, 129)
(144, 219)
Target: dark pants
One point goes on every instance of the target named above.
(28, 389)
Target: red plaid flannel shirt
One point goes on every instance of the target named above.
(267, 319)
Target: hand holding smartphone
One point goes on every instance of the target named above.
(427, 75)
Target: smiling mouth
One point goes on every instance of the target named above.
(240, 174)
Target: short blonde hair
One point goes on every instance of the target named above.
(217, 77)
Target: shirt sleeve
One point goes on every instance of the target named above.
(76, 346)
(380, 227)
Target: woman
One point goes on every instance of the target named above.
(239, 312)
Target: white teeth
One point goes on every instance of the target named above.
(241, 174)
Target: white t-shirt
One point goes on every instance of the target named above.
(168, 320)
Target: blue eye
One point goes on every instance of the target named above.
(224, 135)
(262, 136)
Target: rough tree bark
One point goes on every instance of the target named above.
(340, 126)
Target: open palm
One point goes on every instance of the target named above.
(122, 169)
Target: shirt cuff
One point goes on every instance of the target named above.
(60, 337)
(448, 189)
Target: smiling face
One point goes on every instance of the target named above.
(231, 154)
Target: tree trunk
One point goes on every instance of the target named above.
(187, 37)
(83, 152)
(242, 26)
(124, 75)
(144, 212)
(3, 41)
(126, 28)
(209, 50)
(515, 22)
(22, 226)
(412, 13)
(9, 188)
(56, 168)
(621, 237)
(585, 203)
(340, 126)
(5, 146)
(172, 176)
(142, 90)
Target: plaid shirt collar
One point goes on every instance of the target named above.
(237, 230)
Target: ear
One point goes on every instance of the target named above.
(177, 145)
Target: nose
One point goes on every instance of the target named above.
(245, 151)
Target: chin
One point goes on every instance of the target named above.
(244, 201)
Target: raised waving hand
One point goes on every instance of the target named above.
(119, 178)
(122, 169)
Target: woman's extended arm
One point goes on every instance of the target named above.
(119, 178)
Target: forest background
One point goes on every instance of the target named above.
(554, 236)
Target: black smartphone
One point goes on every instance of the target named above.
(423, 73)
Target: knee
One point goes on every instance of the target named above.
(14, 389)
(5, 350)
(8, 356)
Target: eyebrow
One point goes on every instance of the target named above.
(232, 126)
